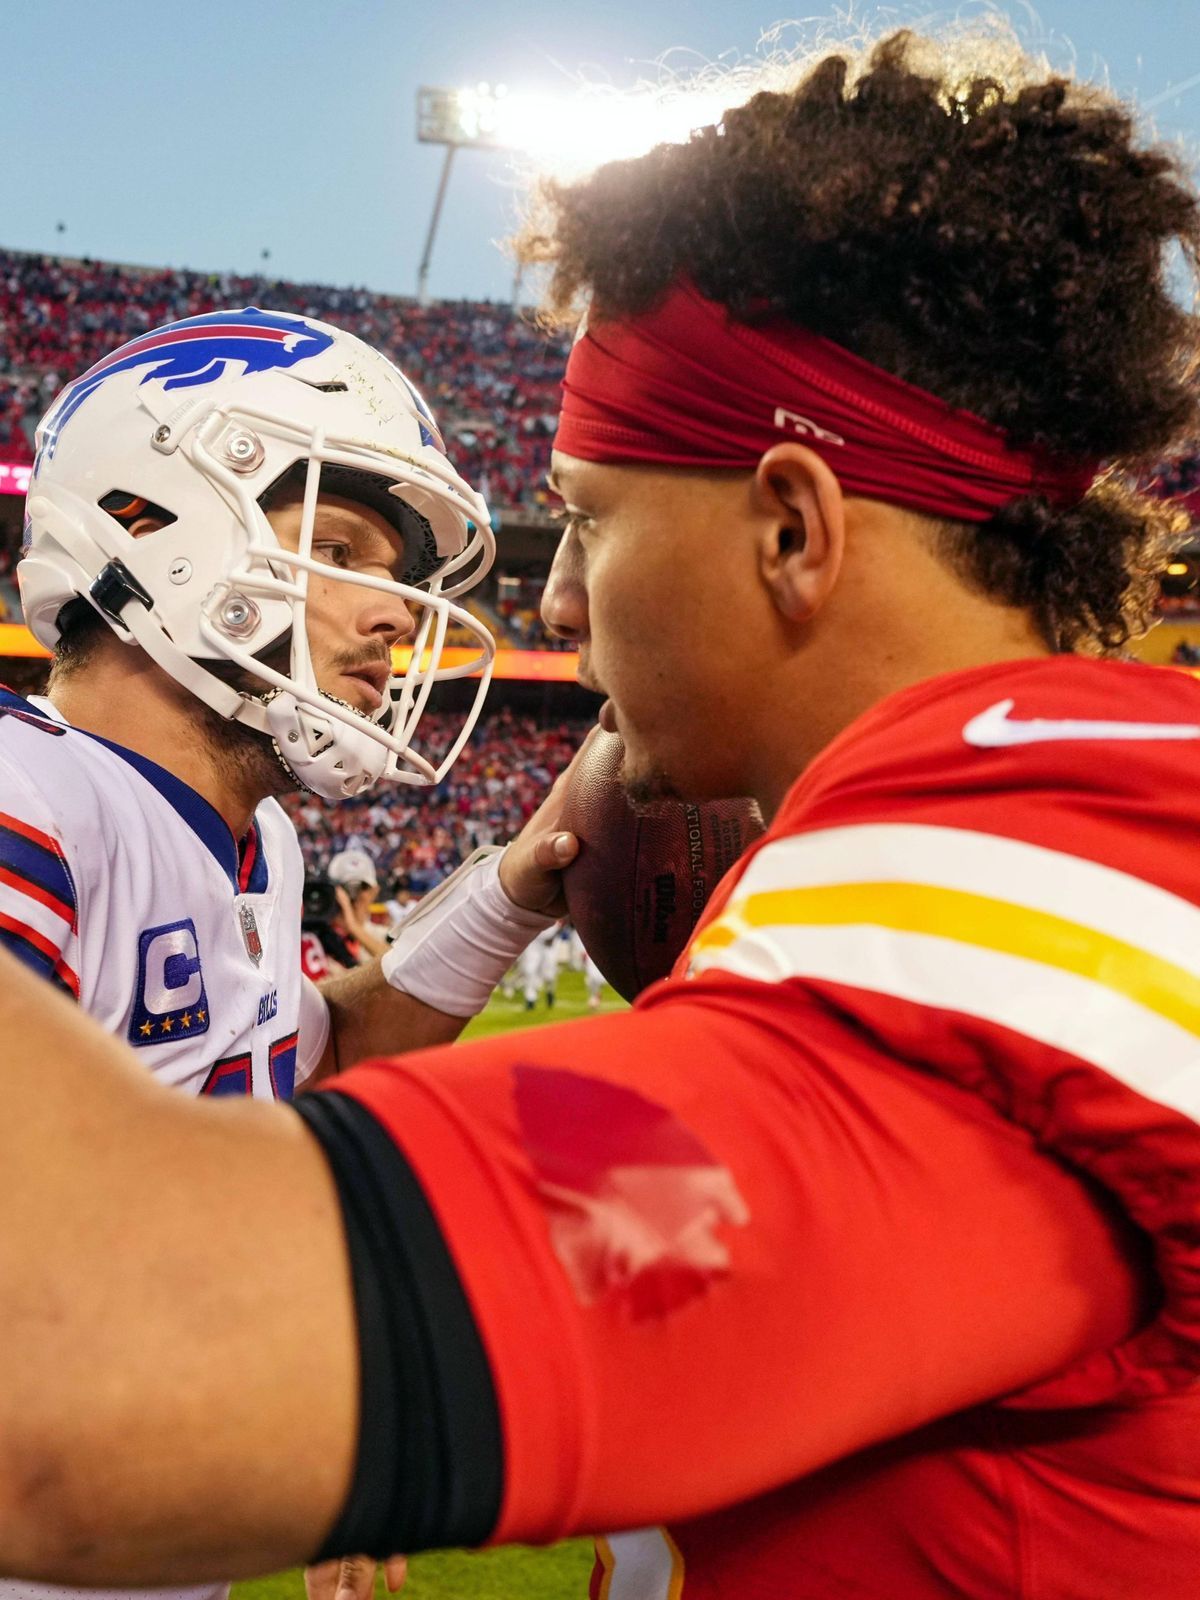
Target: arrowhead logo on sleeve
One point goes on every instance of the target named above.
(637, 1205)
(170, 1001)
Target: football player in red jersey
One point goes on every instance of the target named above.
(862, 1258)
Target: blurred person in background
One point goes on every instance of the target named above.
(323, 950)
(594, 982)
(356, 885)
(537, 969)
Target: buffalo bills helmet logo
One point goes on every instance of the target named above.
(195, 351)
(430, 432)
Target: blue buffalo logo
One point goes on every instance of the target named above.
(195, 351)
(430, 432)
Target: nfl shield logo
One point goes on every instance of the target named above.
(250, 934)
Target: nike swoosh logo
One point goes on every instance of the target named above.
(994, 729)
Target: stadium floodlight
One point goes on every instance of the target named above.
(563, 134)
(456, 118)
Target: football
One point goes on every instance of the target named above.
(641, 878)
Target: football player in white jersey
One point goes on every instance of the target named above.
(538, 968)
(594, 981)
(231, 522)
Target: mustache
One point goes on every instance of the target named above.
(353, 660)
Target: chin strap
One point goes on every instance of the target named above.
(453, 950)
(327, 758)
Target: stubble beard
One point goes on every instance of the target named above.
(245, 758)
(649, 793)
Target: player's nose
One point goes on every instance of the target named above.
(564, 599)
(385, 616)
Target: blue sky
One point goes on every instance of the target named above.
(196, 135)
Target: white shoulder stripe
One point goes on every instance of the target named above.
(31, 913)
(1150, 1053)
(1112, 902)
(1079, 956)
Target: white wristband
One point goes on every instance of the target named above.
(453, 950)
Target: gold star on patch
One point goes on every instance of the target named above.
(185, 1020)
(166, 1024)
(201, 1016)
(146, 1029)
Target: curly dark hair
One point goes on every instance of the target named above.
(996, 236)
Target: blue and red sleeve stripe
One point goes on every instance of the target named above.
(38, 952)
(252, 863)
(38, 904)
(32, 862)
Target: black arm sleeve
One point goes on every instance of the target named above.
(429, 1469)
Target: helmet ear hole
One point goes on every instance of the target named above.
(127, 508)
(288, 486)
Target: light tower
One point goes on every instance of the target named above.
(567, 134)
(459, 119)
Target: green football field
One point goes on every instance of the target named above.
(515, 1573)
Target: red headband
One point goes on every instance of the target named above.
(685, 385)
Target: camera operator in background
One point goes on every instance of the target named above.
(356, 888)
(323, 949)
(338, 929)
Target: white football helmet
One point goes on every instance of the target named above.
(199, 419)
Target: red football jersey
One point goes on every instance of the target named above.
(314, 963)
(864, 1253)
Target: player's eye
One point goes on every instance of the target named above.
(333, 551)
(571, 520)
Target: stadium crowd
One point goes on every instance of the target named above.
(517, 607)
(417, 836)
(490, 375)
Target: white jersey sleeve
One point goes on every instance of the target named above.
(314, 1030)
(125, 887)
(39, 902)
(109, 892)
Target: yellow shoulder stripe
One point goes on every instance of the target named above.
(1161, 986)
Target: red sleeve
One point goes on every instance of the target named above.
(719, 1241)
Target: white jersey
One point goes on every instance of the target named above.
(537, 965)
(125, 888)
(576, 954)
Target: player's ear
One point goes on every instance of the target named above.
(804, 528)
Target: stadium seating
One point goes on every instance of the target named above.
(490, 375)
(417, 836)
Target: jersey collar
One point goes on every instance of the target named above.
(244, 866)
